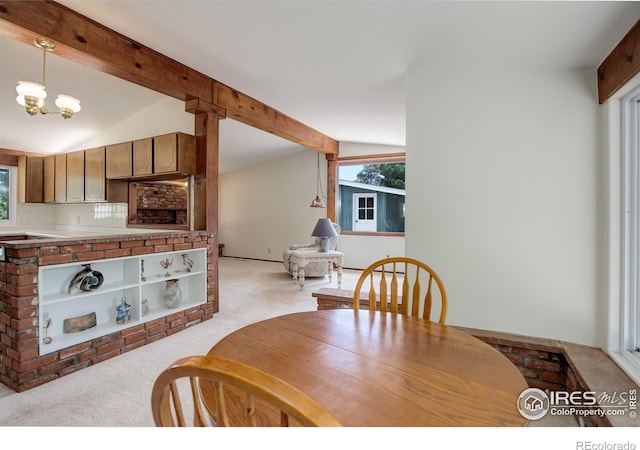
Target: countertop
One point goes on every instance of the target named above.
(46, 235)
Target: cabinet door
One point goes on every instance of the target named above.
(143, 157)
(94, 175)
(31, 176)
(75, 176)
(60, 187)
(174, 153)
(55, 178)
(49, 179)
(119, 160)
(165, 153)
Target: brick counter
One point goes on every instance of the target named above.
(21, 366)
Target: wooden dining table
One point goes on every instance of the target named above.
(373, 369)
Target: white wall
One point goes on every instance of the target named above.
(502, 197)
(111, 215)
(263, 209)
(166, 116)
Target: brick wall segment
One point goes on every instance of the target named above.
(21, 367)
(104, 246)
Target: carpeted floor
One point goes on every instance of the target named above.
(116, 392)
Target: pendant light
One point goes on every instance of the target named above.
(31, 95)
(317, 202)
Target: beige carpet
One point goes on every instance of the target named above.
(116, 392)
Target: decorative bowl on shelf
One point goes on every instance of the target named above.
(85, 280)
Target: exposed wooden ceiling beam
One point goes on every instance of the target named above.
(248, 110)
(87, 42)
(620, 65)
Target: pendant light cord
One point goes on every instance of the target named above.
(319, 181)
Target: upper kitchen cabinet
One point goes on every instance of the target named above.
(119, 160)
(31, 176)
(94, 175)
(165, 157)
(75, 176)
(143, 157)
(55, 178)
(174, 153)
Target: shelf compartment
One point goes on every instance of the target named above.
(123, 277)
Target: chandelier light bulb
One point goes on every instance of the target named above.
(68, 105)
(30, 89)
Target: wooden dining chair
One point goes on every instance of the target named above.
(402, 285)
(235, 390)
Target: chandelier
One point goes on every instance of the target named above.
(31, 95)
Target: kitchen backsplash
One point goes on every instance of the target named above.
(86, 214)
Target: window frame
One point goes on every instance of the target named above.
(622, 140)
(386, 158)
(13, 195)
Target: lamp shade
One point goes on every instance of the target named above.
(317, 203)
(68, 102)
(324, 228)
(32, 90)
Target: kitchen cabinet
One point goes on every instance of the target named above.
(49, 178)
(31, 176)
(165, 156)
(55, 178)
(174, 153)
(60, 183)
(94, 175)
(143, 157)
(75, 176)
(119, 160)
(141, 280)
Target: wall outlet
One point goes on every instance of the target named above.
(77, 219)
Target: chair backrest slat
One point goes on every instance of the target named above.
(428, 300)
(175, 398)
(405, 296)
(383, 291)
(199, 416)
(415, 294)
(372, 294)
(394, 291)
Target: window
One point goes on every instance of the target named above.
(623, 142)
(630, 320)
(371, 194)
(8, 193)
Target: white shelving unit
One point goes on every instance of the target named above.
(137, 278)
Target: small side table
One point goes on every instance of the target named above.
(300, 259)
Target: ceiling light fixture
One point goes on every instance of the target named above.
(317, 202)
(31, 95)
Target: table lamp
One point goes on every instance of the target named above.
(324, 230)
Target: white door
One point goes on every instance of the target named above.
(364, 212)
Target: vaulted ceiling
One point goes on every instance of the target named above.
(337, 66)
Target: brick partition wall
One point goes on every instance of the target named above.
(21, 366)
